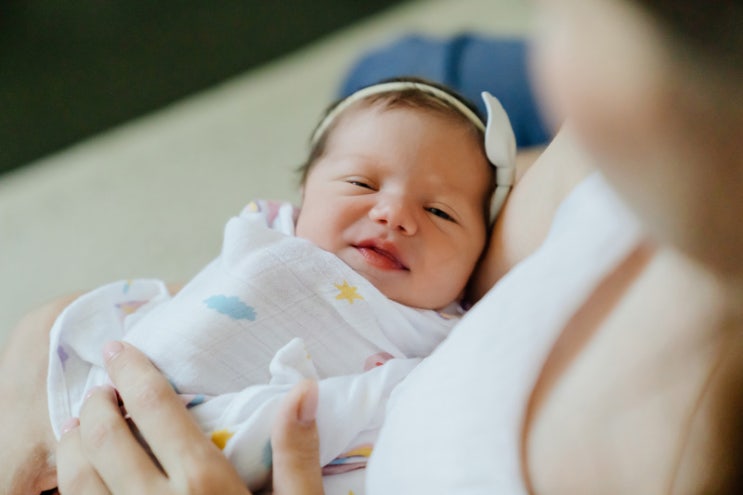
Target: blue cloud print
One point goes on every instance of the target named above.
(231, 306)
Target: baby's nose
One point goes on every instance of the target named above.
(396, 214)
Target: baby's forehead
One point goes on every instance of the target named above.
(353, 115)
(474, 140)
(420, 104)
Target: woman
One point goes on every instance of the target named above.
(638, 391)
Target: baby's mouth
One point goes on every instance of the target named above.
(381, 258)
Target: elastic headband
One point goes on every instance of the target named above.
(389, 87)
(500, 147)
(500, 142)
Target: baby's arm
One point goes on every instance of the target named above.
(350, 411)
(25, 433)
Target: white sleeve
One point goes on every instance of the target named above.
(350, 409)
(79, 333)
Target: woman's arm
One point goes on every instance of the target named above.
(25, 432)
(527, 215)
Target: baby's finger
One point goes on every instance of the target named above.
(163, 421)
(75, 475)
(113, 451)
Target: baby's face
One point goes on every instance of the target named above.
(399, 196)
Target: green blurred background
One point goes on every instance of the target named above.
(72, 68)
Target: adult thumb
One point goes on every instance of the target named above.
(295, 444)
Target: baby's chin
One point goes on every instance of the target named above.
(422, 303)
(395, 285)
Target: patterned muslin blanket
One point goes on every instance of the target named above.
(271, 310)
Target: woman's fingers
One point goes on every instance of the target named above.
(98, 454)
(174, 437)
(192, 463)
(102, 454)
(296, 449)
(107, 441)
(75, 475)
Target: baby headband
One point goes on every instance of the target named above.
(500, 142)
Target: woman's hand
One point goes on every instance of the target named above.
(25, 433)
(99, 454)
(295, 445)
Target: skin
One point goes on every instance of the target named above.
(544, 179)
(28, 444)
(399, 196)
(667, 141)
(647, 380)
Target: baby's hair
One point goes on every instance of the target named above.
(413, 92)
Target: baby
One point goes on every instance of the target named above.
(352, 290)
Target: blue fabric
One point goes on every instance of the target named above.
(467, 63)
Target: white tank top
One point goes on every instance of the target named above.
(454, 425)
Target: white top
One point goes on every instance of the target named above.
(454, 425)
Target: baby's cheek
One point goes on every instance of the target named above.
(451, 281)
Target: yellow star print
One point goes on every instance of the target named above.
(221, 437)
(347, 292)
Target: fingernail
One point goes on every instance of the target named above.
(112, 349)
(70, 424)
(94, 390)
(308, 406)
(91, 392)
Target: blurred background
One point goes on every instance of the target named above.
(70, 69)
(141, 127)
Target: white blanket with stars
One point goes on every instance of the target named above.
(271, 310)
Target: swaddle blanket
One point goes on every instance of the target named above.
(271, 310)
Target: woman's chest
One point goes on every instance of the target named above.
(613, 406)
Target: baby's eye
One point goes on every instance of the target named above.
(360, 184)
(440, 214)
